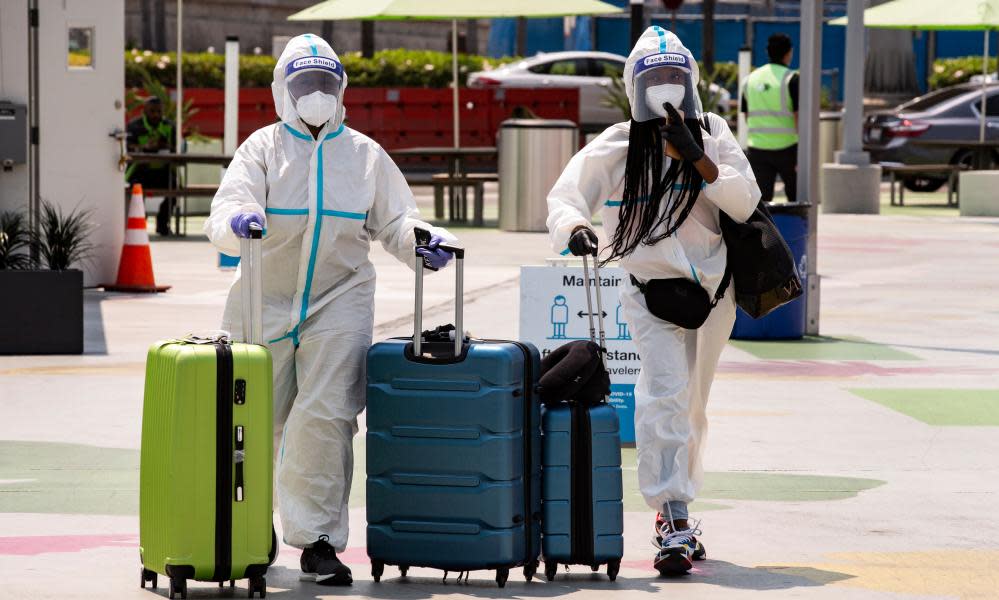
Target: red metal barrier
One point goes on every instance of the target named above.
(399, 117)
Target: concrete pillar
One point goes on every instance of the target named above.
(853, 88)
(853, 184)
(851, 189)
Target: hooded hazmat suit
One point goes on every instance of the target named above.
(324, 201)
(677, 365)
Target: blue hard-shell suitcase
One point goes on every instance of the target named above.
(453, 452)
(582, 506)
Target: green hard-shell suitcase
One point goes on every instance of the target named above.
(205, 482)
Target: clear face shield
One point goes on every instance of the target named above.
(315, 88)
(662, 78)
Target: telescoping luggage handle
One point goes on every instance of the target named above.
(251, 282)
(600, 307)
(459, 294)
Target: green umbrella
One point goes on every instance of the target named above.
(966, 15)
(340, 10)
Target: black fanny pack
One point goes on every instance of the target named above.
(680, 301)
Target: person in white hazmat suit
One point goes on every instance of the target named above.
(661, 180)
(322, 192)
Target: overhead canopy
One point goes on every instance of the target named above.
(339, 10)
(923, 14)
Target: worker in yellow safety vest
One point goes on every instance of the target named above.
(770, 101)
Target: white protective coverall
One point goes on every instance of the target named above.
(677, 365)
(324, 200)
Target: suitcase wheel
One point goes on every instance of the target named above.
(530, 569)
(594, 568)
(551, 568)
(257, 584)
(501, 576)
(178, 588)
(377, 568)
(612, 568)
(403, 570)
(149, 576)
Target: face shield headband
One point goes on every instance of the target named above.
(668, 76)
(313, 74)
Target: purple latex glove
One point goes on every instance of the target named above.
(436, 258)
(241, 223)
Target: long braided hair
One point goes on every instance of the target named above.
(654, 205)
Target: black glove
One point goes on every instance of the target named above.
(583, 242)
(679, 136)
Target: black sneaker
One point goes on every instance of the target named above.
(320, 564)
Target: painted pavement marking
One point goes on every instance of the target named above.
(941, 407)
(815, 369)
(822, 348)
(956, 573)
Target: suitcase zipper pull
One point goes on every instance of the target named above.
(239, 455)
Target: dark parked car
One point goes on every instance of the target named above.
(951, 113)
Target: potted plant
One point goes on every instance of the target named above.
(42, 303)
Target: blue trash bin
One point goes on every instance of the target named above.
(788, 321)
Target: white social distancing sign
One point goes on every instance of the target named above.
(553, 311)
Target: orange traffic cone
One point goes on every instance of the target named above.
(135, 271)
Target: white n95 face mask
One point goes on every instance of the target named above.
(316, 108)
(656, 95)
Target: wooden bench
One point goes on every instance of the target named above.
(458, 207)
(897, 171)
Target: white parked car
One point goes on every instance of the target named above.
(589, 71)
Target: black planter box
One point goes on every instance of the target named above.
(41, 312)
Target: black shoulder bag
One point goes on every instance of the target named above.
(759, 260)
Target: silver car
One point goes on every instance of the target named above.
(589, 71)
(951, 113)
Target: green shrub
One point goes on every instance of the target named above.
(951, 71)
(388, 68)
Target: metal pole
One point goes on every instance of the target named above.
(179, 121)
(708, 37)
(146, 14)
(808, 146)
(34, 154)
(985, 75)
(637, 20)
(230, 133)
(521, 37)
(745, 67)
(853, 89)
(454, 81)
(931, 52)
(472, 36)
(367, 39)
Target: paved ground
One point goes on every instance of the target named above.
(863, 464)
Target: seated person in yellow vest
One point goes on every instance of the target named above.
(770, 101)
(151, 132)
